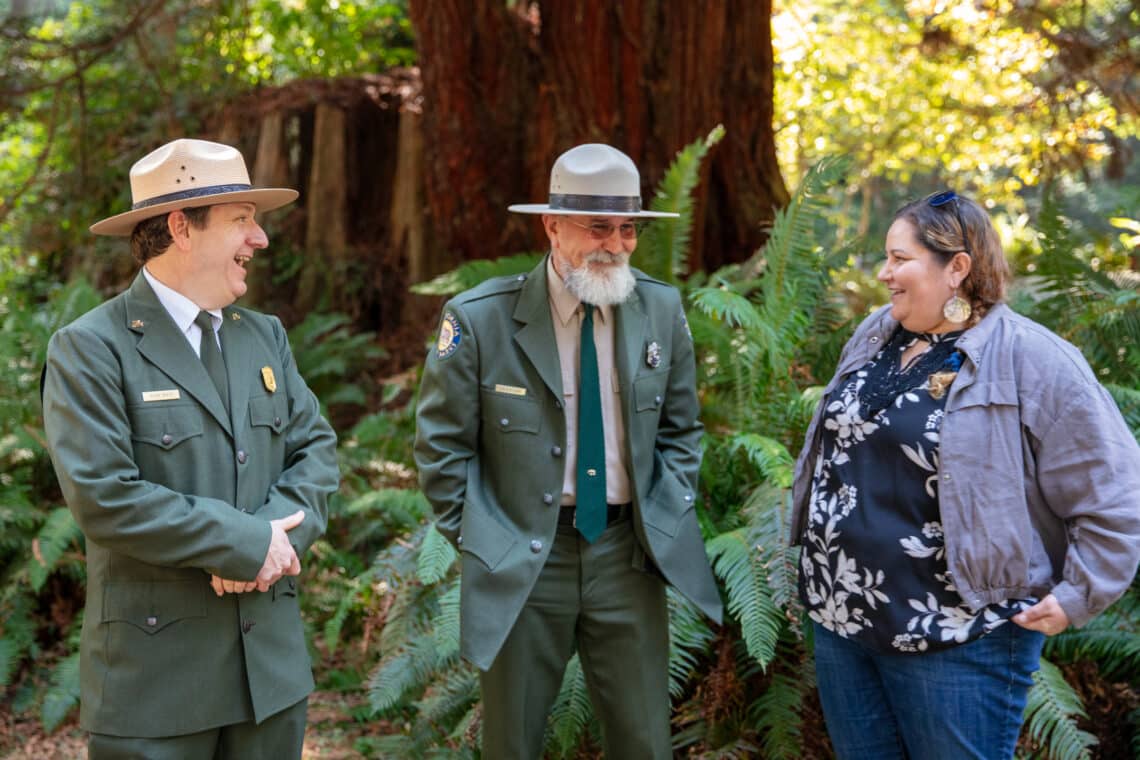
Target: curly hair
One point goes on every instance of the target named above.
(151, 237)
(963, 225)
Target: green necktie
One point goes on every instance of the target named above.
(211, 356)
(590, 514)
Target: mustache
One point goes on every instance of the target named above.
(605, 257)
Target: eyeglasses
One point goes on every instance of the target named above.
(938, 200)
(603, 230)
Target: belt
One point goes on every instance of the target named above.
(614, 513)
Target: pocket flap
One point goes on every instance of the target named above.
(510, 414)
(150, 606)
(165, 426)
(264, 412)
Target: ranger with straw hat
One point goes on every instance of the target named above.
(197, 464)
(558, 441)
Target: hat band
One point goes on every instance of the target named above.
(183, 195)
(607, 204)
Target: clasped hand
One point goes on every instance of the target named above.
(280, 560)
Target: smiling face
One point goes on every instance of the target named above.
(919, 282)
(595, 269)
(208, 264)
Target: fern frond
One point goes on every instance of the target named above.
(690, 639)
(769, 456)
(63, 695)
(572, 711)
(735, 561)
(1051, 714)
(451, 697)
(436, 557)
(663, 249)
(408, 668)
(445, 627)
(58, 533)
(776, 716)
(727, 306)
(470, 273)
(349, 599)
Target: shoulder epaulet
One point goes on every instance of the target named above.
(493, 287)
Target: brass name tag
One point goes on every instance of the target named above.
(513, 390)
(169, 395)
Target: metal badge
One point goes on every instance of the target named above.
(137, 324)
(268, 379)
(653, 355)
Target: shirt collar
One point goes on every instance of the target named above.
(564, 302)
(181, 309)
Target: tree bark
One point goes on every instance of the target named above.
(326, 208)
(507, 90)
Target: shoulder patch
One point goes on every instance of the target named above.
(450, 333)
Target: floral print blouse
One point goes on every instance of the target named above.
(873, 565)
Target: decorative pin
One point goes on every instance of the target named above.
(235, 316)
(450, 333)
(653, 355)
(137, 324)
(268, 379)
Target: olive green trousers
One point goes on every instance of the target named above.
(280, 737)
(588, 598)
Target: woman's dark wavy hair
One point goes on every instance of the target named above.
(938, 228)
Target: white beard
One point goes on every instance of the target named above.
(606, 287)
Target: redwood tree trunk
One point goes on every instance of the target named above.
(507, 90)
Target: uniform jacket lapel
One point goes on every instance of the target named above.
(241, 353)
(536, 336)
(164, 346)
(630, 324)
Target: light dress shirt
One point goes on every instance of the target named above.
(183, 311)
(567, 313)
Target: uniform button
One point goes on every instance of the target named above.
(459, 540)
(167, 439)
(548, 498)
(521, 277)
(875, 339)
(241, 457)
(556, 451)
(946, 476)
(657, 400)
(557, 404)
(535, 546)
(504, 422)
(276, 422)
(247, 626)
(688, 497)
(152, 621)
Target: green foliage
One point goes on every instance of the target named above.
(327, 352)
(571, 714)
(470, 273)
(1051, 716)
(663, 247)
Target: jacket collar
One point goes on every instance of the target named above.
(165, 346)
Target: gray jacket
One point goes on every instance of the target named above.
(1025, 401)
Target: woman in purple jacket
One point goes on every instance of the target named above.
(966, 488)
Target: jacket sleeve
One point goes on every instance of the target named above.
(679, 428)
(311, 473)
(447, 423)
(1088, 471)
(89, 437)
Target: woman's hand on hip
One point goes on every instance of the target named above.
(1046, 616)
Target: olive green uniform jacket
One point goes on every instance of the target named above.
(168, 488)
(491, 433)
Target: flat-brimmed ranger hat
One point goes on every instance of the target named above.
(187, 174)
(593, 180)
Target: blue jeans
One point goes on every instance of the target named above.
(962, 702)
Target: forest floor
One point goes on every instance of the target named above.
(333, 734)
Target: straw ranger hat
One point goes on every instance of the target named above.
(187, 174)
(593, 180)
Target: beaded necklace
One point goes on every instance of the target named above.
(886, 378)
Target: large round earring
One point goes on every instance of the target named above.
(956, 309)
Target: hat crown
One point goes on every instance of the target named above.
(595, 169)
(186, 166)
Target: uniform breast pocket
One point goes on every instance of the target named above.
(150, 607)
(649, 391)
(268, 412)
(510, 415)
(165, 427)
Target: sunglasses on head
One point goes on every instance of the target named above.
(938, 200)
